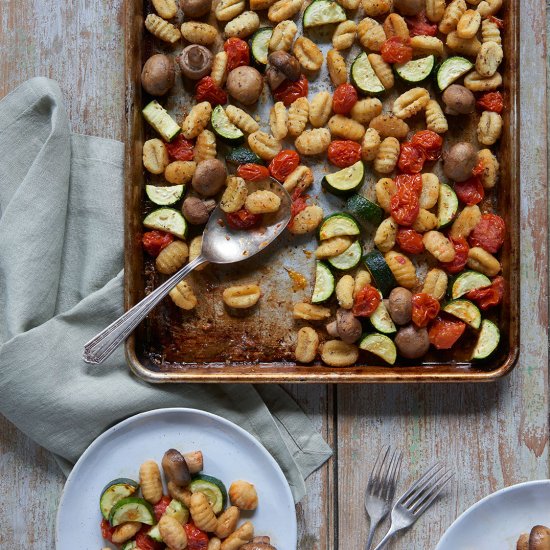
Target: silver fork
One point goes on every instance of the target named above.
(410, 506)
(381, 488)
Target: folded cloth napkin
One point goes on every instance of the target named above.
(61, 255)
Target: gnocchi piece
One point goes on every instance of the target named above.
(333, 247)
(166, 8)
(385, 235)
(172, 533)
(306, 345)
(219, 69)
(395, 25)
(371, 34)
(243, 25)
(489, 176)
(489, 7)
(183, 296)
(227, 522)
(310, 312)
(242, 494)
(476, 83)
(362, 279)
(283, 36)
(283, 9)
(375, 8)
(387, 155)
(402, 268)
(347, 128)
(150, 481)
(313, 142)
(202, 513)
(466, 46)
(451, 16)
(214, 543)
(435, 10)
(278, 120)
(482, 261)
(320, 109)
(195, 248)
(308, 54)
(435, 118)
(307, 220)
(242, 296)
(155, 156)
(350, 4)
(490, 32)
(366, 109)
(344, 35)
(370, 145)
(205, 146)
(300, 178)
(385, 189)
(180, 172)
(430, 191)
(172, 257)
(264, 145)
(229, 9)
(262, 202)
(465, 222)
(382, 70)
(435, 283)
(160, 28)
(344, 291)
(410, 102)
(489, 128)
(241, 119)
(468, 24)
(439, 246)
(179, 493)
(197, 120)
(427, 45)
(336, 66)
(388, 125)
(199, 33)
(239, 537)
(257, 5)
(298, 114)
(425, 221)
(337, 353)
(489, 58)
(125, 531)
(235, 194)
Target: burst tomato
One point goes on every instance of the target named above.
(420, 25)
(180, 148)
(461, 255)
(396, 50)
(238, 53)
(252, 172)
(196, 539)
(344, 153)
(470, 191)
(491, 101)
(478, 168)
(283, 164)
(344, 98)
(243, 219)
(410, 241)
(366, 301)
(145, 542)
(498, 22)
(489, 233)
(154, 241)
(405, 204)
(298, 204)
(411, 158)
(160, 506)
(106, 530)
(207, 90)
(430, 142)
(288, 91)
(412, 181)
(488, 296)
(424, 309)
(444, 332)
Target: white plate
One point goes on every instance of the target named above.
(230, 453)
(497, 521)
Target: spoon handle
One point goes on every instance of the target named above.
(103, 344)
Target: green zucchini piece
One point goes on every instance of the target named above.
(212, 488)
(381, 319)
(324, 283)
(259, 47)
(167, 219)
(114, 491)
(224, 128)
(338, 225)
(447, 206)
(349, 259)
(158, 117)
(323, 12)
(487, 341)
(451, 70)
(364, 78)
(346, 180)
(129, 545)
(164, 196)
(364, 210)
(154, 533)
(242, 155)
(176, 510)
(380, 272)
(132, 509)
(380, 345)
(465, 311)
(469, 280)
(416, 70)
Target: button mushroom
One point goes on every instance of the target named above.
(409, 7)
(158, 74)
(259, 543)
(209, 177)
(282, 66)
(195, 61)
(245, 84)
(197, 211)
(195, 8)
(349, 327)
(458, 100)
(539, 538)
(332, 329)
(459, 161)
(400, 305)
(412, 342)
(175, 468)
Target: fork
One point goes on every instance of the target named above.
(411, 505)
(381, 488)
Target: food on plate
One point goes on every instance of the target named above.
(245, 84)
(537, 539)
(195, 61)
(158, 74)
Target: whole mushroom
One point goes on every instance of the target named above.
(158, 74)
(259, 543)
(282, 66)
(459, 161)
(196, 211)
(400, 305)
(409, 7)
(539, 538)
(245, 84)
(349, 327)
(412, 342)
(458, 100)
(209, 177)
(175, 468)
(195, 61)
(195, 8)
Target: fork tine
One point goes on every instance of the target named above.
(426, 485)
(425, 493)
(372, 477)
(429, 473)
(432, 495)
(395, 464)
(378, 478)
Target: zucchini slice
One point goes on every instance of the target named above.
(259, 47)
(465, 311)
(212, 488)
(487, 341)
(346, 180)
(158, 117)
(447, 206)
(132, 509)
(380, 272)
(338, 225)
(349, 258)
(324, 283)
(175, 510)
(451, 70)
(323, 12)
(242, 155)
(129, 545)
(469, 280)
(167, 219)
(416, 70)
(114, 491)
(380, 345)
(363, 77)
(224, 128)
(364, 210)
(164, 196)
(381, 319)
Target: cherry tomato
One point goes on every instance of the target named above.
(344, 153)
(366, 301)
(180, 148)
(106, 530)
(444, 332)
(145, 542)
(344, 98)
(412, 181)
(298, 204)
(161, 505)
(489, 233)
(283, 164)
(410, 241)
(252, 172)
(405, 204)
(243, 219)
(238, 53)
(288, 91)
(196, 539)
(207, 90)
(396, 50)
(488, 296)
(411, 158)
(419, 25)
(491, 101)
(430, 142)
(478, 168)
(154, 241)
(461, 255)
(424, 309)
(498, 22)
(470, 191)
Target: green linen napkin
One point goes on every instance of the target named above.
(61, 255)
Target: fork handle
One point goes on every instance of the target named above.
(373, 526)
(386, 538)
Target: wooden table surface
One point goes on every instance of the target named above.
(492, 435)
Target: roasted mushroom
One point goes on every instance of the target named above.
(158, 74)
(459, 161)
(349, 327)
(175, 468)
(539, 538)
(412, 342)
(458, 100)
(259, 543)
(209, 177)
(196, 211)
(195, 61)
(400, 305)
(195, 8)
(409, 7)
(245, 84)
(281, 66)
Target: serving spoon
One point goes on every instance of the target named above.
(221, 244)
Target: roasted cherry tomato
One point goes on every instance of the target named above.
(498, 22)
(344, 153)
(410, 241)
(161, 505)
(396, 50)
(154, 241)
(283, 164)
(366, 301)
(412, 181)
(145, 542)
(243, 219)
(488, 296)
(489, 233)
(424, 309)
(444, 332)
(430, 142)
(207, 90)
(461, 255)
(470, 191)
(419, 25)
(196, 539)
(298, 204)
(180, 148)
(405, 204)
(411, 158)
(106, 530)
(478, 168)
(288, 91)
(344, 98)
(252, 172)
(491, 101)
(238, 53)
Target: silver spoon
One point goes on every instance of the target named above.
(220, 245)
